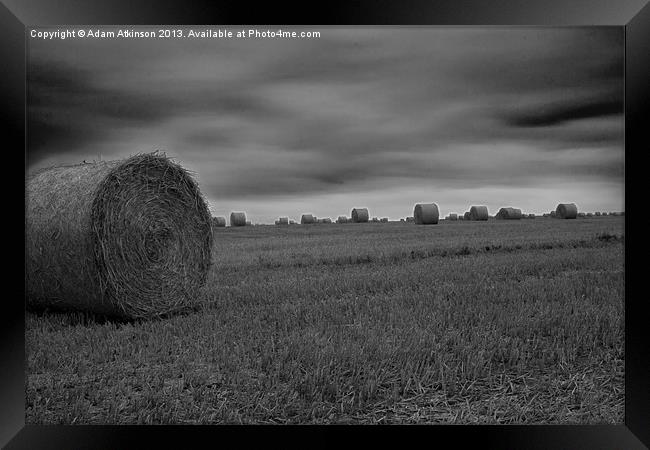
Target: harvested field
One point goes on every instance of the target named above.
(494, 322)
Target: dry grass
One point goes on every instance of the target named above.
(487, 322)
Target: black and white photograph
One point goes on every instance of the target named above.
(325, 225)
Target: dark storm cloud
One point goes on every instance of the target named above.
(558, 113)
(67, 110)
(367, 109)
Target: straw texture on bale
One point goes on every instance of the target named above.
(509, 214)
(238, 219)
(425, 214)
(360, 215)
(478, 213)
(307, 219)
(566, 211)
(129, 238)
(219, 221)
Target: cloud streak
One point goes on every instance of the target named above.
(359, 112)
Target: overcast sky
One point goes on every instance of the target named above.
(369, 117)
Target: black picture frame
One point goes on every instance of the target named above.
(17, 16)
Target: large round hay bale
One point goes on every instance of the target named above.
(509, 214)
(237, 219)
(478, 213)
(129, 238)
(425, 214)
(359, 215)
(307, 219)
(219, 222)
(566, 211)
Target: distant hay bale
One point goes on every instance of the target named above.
(360, 215)
(545, 215)
(307, 219)
(603, 213)
(509, 214)
(410, 219)
(219, 222)
(553, 214)
(425, 214)
(283, 221)
(478, 213)
(129, 238)
(590, 214)
(292, 222)
(238, 219)
(277, 222)
(531, 216)
(402, 220)
(384, 220)
(466, 216)
(342, 219)
(325, 220)
(566, 211)
(375, 220)
(597, 213)
(582, 215)
(452, 216)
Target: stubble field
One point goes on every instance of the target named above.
(461, 322)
